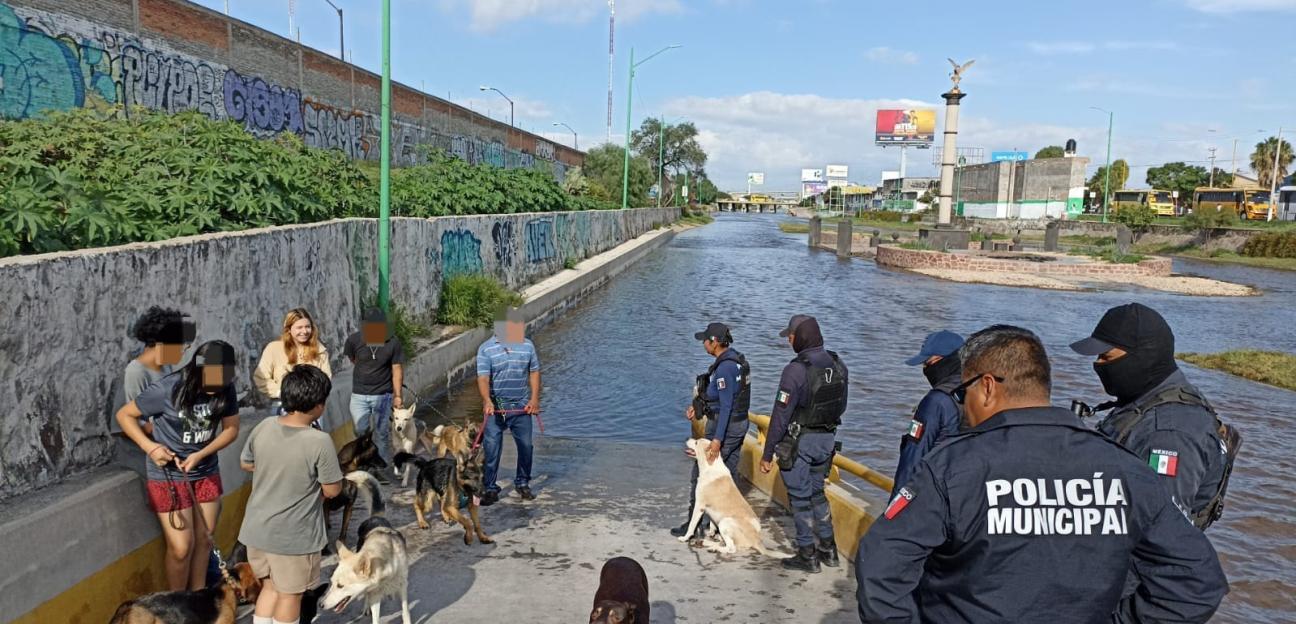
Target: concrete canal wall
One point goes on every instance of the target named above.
(84, 540)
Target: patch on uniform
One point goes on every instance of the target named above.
(898, 503)
(783, 397)
(915, 429)
(720, 383)
(1164, 462)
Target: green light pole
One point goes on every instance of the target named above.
(625, 169)
(384, 180)
(958, 185)
(1107, 168)
(661, 157)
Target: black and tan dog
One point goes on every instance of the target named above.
(310, 599)
(457, 483)
(453, 440)
(622, 596)
(360, 454)
(213, 605)
(357, 484)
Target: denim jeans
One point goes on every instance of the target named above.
(374, 410)
(493, 441)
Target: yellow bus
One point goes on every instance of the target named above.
(1162, 202)
(1246, 203)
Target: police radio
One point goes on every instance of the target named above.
(1081, 409)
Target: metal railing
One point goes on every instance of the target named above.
(841, 463)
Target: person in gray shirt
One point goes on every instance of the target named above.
(162, 332)
(293, 466)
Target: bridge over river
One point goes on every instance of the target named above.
(611, 475)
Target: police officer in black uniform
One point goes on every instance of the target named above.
(1029, 516)
(803, 424)
(1159, 415)
(723, 398)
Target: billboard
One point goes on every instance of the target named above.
(910, 126)
(812, 188)
(836, 183)
(755, 178)
(811, 175)
(837, 171)
(1013, 156)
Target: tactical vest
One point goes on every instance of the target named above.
(742, 400)
(827, 396)
(1230, 437)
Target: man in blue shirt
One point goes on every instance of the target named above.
(508, 378)
(938, 415)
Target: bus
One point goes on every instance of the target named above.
(1250, 204)
(1286, 208)
(1161, 202)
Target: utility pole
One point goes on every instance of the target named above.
(611, 56)
(1212, 168)
(661, 157)
(1234, 165)
(1273, 178)
(1107, 168)
(384, 177)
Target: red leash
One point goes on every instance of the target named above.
(482, 431)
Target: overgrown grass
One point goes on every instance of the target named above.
(696, 218)
(472, 300)
(570, 262)
(1108, 253)
(1086, 239)
(1268, 367)
(1218, 255)
(916, 244)
(795, 227)
(406, 326)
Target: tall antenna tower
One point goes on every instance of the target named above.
(611, 55)
(292, 14)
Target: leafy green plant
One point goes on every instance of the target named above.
(571, 262)
(1205, 220)
(916, 244)
(1109, 253)
(406, 326)
(1271, 245)
(472, 300)
(1136, 217)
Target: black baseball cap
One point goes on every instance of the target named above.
(715, 331)
(792, 324)
(1126, 327)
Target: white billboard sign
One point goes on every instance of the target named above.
(755, 177)
(812, 175)
(837, 171)
(832, 183)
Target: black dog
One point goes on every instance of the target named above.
(453, 482)
(371, 523)
(357, 484)
(622, 596)
(360, 454)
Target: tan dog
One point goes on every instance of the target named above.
(214, 605)
(718, 497)
(451, 440)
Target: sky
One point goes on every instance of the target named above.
(775, 86)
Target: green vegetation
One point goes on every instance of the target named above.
(696, 218)
(1219, 255)
(1108, 253)
(795, 227)
(406, 326)
(449, 186)
(1267, 367)
(1086, 239)
(916, 244)
(1177, 176)
(1051, 151)
(1206, 220)
(1119, 175)
(1271, 245)
(472, 300)
(1262, 160)
(1136, 218)
(570, 262)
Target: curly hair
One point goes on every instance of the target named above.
(155, 324)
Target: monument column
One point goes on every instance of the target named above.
(949, 154)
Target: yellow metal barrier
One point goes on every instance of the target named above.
(840, 462)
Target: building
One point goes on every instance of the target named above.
(902, 194)
(1030, 189)
(1244, 181)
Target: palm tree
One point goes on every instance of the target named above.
(1262, 160)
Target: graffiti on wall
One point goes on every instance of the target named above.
(505, 244)
(540, 240)
(460, 253)
(51, 61)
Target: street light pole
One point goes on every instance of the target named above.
(341, 30)
(510, 101)
(1107, 168)
(1273, 178)
(384, 178)
(661, 157)
(575, 139)
(625, 169)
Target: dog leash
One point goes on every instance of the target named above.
(197, 512)
(486, 415)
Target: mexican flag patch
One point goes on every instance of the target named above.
(1164, 462)
(898, 503)
(915, 429)
(783, 397)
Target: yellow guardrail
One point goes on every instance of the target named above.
(841, 463)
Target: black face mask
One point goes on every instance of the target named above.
(1134, 375)
(938, 372)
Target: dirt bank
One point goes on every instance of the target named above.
(1180, 284)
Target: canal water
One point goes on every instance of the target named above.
(620, 365)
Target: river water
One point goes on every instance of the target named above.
(619, 365)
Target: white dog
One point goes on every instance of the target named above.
(719, 498)
(380, 569)
(407, 433)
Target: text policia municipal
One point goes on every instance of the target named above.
(1057, 507)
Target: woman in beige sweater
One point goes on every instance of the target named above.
(299, 344)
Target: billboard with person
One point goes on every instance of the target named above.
(908, 126)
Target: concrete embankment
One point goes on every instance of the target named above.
(84, 540)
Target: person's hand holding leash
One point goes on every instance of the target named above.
(397, 402)
(190, 462)
(488, 408)
(532, 407)
(766, 466)
(690, 413)
(713, 451)
(163, 458)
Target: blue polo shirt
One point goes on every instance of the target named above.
(508, 365)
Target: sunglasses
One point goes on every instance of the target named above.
(960, 393)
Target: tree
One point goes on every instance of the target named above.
(1119, 175)
(1177, 176)
(676, 143)
(1137, 218)
(603, 167)
(1206, 219)
(1052, 151)
(1262, 160)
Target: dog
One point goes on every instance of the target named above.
(357, 484)
(374, 572)
(622, 596)
(310, 598)
(360, 454)
(718, 497)
(451, 440)
(213, 605)
(457, 482)
(407, 436)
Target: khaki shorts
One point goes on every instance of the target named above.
(292, 574)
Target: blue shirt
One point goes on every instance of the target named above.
(725, 383)
(183, 432)
(509, 365)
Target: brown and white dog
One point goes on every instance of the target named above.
(622, 596)
(456, 484)
(213, 605)
(453, 440)
(718, 497)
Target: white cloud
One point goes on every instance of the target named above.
(1239, 6)
(487, 15)
(1086, 47)
(884, 54)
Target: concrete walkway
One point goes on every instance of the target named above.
(598, 500)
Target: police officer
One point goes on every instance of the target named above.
(938, 415)
(1027, 515)
(724, 400)
(807, 409)
(1157, 413)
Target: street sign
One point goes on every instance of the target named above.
(812, 175)
(1012, 156)
(755, 178)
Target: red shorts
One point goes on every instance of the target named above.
(166, 496)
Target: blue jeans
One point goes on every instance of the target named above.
(493, 441)
(374, 410)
